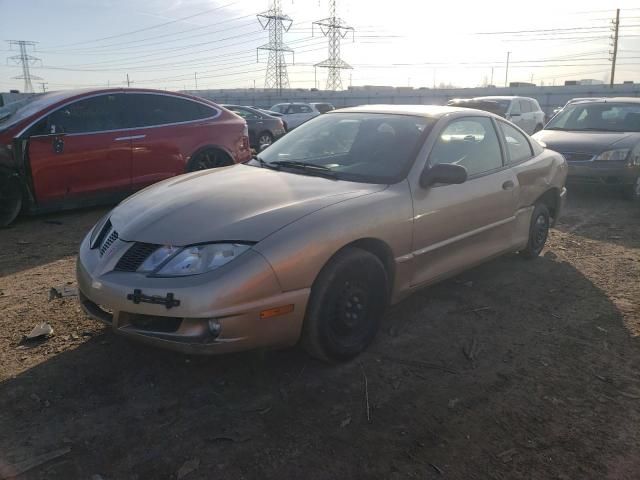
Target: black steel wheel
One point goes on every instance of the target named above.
(347, 302)
(208, 159)
(538, 231)
(11, 199)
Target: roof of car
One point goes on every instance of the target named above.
(50, 98)
(416, 110)
(500, 97)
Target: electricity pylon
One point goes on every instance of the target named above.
(335, 29)
(26, 60)
(277, 23)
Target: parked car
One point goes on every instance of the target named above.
(313, 238)
(601, 141)
(80, 147)
(524, 112)
(575, 100)
(296, 114)
(263, 129)
(274, 114)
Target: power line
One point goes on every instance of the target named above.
(132, 32)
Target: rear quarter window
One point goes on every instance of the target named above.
(144, 110)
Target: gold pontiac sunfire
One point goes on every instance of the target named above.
(310, 241)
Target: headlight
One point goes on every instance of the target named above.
(157, 258)
(620, 154)
(197, 259)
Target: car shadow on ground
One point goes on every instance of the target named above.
(41, 239)
(513, 370)
(595, 214)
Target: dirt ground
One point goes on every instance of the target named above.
(514, 370)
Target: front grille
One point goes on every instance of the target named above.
(135, 256)
(106, 228)
(152, 323)
(577, 156)
(113, 236)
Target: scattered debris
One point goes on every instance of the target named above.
(188, 467)
(453, 402)
(471, 310)
(436, 468)
(507, 455)
(54, 222)
(23, 242)
(39, 331)
(418, 364)
(366, 393)
(468, 284)
(345, 422)
(62, 292)
(471, 351)
(95, 476)
(11, 471)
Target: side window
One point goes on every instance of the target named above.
(525, 107)
(145, 110)
(518, 146)
(244, 113)
(304, 109)
(535, 106)
(515, 107)
(93, 114)
(471, 142)
(277, 108)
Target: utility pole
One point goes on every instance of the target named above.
(506, 73)
(44, 86)
(491, 76)
(195, 77)
(335, 29)
(26, 61)
(277, 23)
(128, 81)
(615, 27)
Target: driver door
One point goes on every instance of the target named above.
(458, 226)
(81, 149)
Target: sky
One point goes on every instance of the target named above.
(176, 44)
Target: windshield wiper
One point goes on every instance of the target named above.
(307, 167)
(263, 163)
(598, 130)
(555, 128)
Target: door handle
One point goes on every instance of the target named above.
(58, 145)
(508, 185)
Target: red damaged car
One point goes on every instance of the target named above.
(77, 148)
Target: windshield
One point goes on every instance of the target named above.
(14, 112)
(597, 116)
(360, 147)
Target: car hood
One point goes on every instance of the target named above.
(586, 142)
(240, 203)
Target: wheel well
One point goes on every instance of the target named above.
(381, 250)
(213, 148)
(551, 199)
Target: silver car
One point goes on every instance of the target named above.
(310, 241)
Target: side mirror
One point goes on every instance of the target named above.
(447, 173)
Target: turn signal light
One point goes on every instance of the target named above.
(274, 312)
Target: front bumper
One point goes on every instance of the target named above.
(232, 299)
(602, 173)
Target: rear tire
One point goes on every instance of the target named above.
(538, 231)
(11, 199)
(632, 192)
(207, 159)
(347, 302)
(265, 138)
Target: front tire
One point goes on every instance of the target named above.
(265, 138)
(538, 231)
(632, 192)
(346, 306)
(11, 199)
